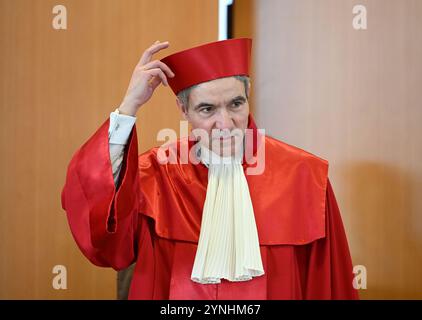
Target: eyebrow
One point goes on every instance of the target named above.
(208, 104)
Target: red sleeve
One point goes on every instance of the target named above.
(103, 221)
(330, 269)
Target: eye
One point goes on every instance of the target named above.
(206, 110)
(237, 104)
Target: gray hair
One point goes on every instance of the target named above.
(184, 94)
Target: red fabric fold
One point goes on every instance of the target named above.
(103, 222)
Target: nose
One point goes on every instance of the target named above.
(224, 120)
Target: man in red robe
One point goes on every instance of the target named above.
(199, 229)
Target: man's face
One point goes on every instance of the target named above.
(220, 108)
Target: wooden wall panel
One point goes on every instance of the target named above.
(56, 88)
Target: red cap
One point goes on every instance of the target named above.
(208, 62)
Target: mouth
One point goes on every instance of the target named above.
(226, 137)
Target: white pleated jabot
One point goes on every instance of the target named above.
(228, 246)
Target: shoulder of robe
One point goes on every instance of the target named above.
(290, 197)
(148, 159)
(172, 194)
(286, 156)
(151, 161)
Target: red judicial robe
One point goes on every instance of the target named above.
(154, 219)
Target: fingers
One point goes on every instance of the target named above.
(147, 55)
(159, 64)
(154, 82)
(157, 72)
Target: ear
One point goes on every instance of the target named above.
(182, 109)
(249, 89)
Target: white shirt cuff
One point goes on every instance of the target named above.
(120, 128)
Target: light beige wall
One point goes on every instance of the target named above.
(56, 88)
(354, 98)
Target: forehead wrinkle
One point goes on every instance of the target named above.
(219, 96)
